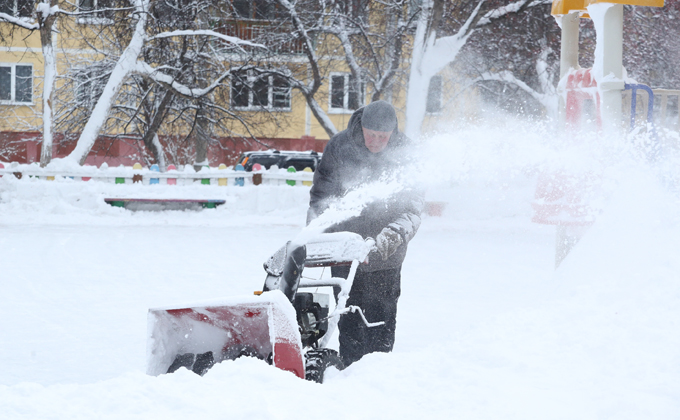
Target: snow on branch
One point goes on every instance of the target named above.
(206, 32)
(22, 22)
(472, 20)
(509, 77)
(446, 48)
(166, 79)
(498, 13)
(243, 122)
(46, 10)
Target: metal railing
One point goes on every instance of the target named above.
(651, 106)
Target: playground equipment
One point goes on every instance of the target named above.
(607, 73)
(594, 96)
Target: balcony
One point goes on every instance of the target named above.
(275, 35)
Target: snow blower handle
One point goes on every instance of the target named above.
(371, 244)
(373, 248)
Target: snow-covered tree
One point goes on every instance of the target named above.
(370, 37)
(42, 17)
(158, 57)
(515, 61)
(373, 40)
(650, 54)
(443, 29)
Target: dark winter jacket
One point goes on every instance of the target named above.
(347, 164)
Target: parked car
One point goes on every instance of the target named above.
(283, 159)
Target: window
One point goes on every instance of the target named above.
(357, 9)
(97, 13)
(90, 82)
(172, 12)
(16, 83)
(434, 95)
(269, 92)
(343, 97)
(300, 163)
(19, 8)
(255, 9)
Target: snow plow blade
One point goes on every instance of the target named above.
(198, 336)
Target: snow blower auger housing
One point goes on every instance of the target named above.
(285, 327)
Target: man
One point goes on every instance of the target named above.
(370, 150)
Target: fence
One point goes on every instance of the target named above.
(221, 176)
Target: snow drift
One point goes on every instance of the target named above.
(487, 328)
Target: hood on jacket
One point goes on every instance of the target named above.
(356, 134)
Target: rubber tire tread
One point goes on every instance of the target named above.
(318, 360)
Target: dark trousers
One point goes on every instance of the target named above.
(376, 293)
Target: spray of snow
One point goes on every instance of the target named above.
(487, 327)
(348, 206)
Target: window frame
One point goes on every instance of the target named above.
(13, 84)
(93, 18)
(255, 7)
(440, 98)
(85, 90)
(15, 9)
(345, 95)
(252, 106)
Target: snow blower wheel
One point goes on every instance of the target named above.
(198, 363)
(318, 360)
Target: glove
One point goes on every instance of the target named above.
(387, 242)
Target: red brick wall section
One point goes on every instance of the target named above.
(24, 147)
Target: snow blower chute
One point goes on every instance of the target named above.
(281, 325)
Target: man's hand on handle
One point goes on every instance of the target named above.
(387, 242)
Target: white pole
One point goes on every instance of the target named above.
(569, 48)
(610, 81)
(568, 54)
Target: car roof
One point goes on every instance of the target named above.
(275, 152)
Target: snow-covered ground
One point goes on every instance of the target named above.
(487, 328)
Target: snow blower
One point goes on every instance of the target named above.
(288, 328)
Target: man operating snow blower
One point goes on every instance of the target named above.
(363, 208)
(371, 150)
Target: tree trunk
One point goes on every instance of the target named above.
(125, 65)
(201, 136)
(150, 138)
(418, 80)
(50, 71)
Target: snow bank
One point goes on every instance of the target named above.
(487, 328)
(70, 202)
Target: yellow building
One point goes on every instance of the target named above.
(287, 121)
